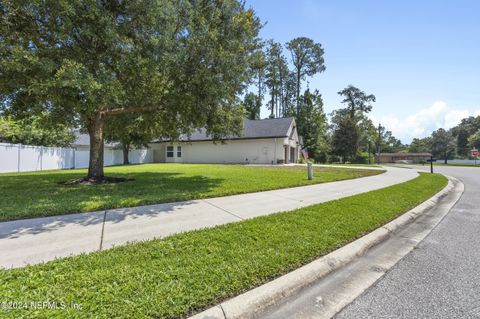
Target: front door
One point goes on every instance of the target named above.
(292, 154)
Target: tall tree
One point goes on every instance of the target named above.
(252, 106)
(84, 62)
(420, 145)
(463, 131)
(367, 137)
(258, 65)
(391, 144)
(307, 59)
(135, 132)
(358, 104)
(357, 101)
(474, 140)
(345, 135)
(443, 144)
(311, 124)
(276, 74)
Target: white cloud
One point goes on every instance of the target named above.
(423, 122)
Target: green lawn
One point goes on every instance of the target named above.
(38, 194)
(185, 273)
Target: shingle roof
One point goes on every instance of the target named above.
(252, 129)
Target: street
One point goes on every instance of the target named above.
(439, 278)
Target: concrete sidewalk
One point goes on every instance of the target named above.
(42, 239)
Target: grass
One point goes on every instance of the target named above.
(38, 194)
(354, 164)
(185, 273)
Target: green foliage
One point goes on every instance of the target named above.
(34, 132)
(307, 59)
(179, 275)
(352, 130)
(462, 132)
(420, 145)
(252, 105)
(474, 140)
(345, 136)
(83, 62)
(390, 144)
(312, 125)
(41, 193)
(443, 144)
(358, 102)
(276, 77)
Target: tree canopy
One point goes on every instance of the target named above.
(83, 62)
(307, 59)
(443, 144)
(34, 132)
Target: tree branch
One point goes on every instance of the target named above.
(124, 110)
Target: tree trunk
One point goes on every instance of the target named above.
(96, 131)
(125, 148)
(298, 91)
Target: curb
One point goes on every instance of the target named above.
(252, 302)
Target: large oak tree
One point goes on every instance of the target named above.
(83, 62)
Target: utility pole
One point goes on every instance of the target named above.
(379, 142)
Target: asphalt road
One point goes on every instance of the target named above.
(441, 277)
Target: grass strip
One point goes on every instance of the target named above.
(185, 273)
(39, 194)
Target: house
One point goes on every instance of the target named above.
(402, 157)
(269, 141)
(82, 143)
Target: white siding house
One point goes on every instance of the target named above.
(270, 141)
(112, 153)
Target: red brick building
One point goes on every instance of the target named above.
(403, 157)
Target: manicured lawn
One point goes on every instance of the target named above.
(188, 272)
(42, 193)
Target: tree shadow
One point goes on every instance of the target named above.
(170, 190)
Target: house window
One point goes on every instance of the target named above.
(179, 151)
(169, 151)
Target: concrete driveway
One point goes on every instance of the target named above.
(42, 239)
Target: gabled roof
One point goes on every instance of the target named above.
(252, 129)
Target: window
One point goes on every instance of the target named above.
(179, 151)
(170, 151)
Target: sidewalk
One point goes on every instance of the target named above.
(42, 239)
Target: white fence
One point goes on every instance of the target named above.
(25, 158)
(115, 157)
(458, 161)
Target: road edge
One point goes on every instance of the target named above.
(258, 299)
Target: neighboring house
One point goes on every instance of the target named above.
(402, 157)
(270, 141)
(112, 153)
(82, 143)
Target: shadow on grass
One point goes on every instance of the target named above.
(41, 192)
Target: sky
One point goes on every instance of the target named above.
(420, 58)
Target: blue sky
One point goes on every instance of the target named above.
(421, 58)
